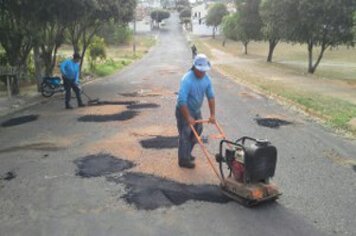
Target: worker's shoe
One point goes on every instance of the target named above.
(186, 164)
(68, 106)
(81, 105)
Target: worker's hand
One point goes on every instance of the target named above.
(212, 119)
(191, 120)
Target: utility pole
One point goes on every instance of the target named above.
(134, 34)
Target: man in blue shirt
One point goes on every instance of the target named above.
(194, 86)
(70, 74)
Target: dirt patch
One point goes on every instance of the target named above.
(150, 192)
(334, 156)
(159, 162)
(160, 142)
(19, 120)
(42, 146)
(100, 165)
(102, 110)
(143, 106)
(248, 95)
(9, 176)
(168, 72)
(352, 124)
(122, 116)
(140, 94)
(123, 103)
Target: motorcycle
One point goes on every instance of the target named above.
(51, 85)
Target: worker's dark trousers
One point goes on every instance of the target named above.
(68, 85)
(187, 139)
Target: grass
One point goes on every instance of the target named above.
(337, 64)
(335, 112)
(110, 67)
(118, 56)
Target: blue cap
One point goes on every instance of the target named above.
(201, 63)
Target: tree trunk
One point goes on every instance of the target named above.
(310, 57)
(312, 69)
(214, 28)
(38, 67)
(244, 49)
(272, 44)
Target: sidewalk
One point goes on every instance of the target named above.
(17, 103)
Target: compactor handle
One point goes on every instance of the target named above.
(220, 135)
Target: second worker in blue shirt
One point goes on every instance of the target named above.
(70, 73)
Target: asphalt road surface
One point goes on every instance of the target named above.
(112, 169)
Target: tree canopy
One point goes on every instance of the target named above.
(42, 26)
(323, 23)
(159, 14)
(215, 15)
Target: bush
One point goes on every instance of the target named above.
(114, 33)
(97, 51)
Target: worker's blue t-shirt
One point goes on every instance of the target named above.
(70, 70)
(192, 91)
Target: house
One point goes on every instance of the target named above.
(199, 13)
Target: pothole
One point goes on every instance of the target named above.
(272, 122)
(122, 116)
(143, 106)
(148, 192)
(9, 176)
(100, 165)
(160, 142)
(19, 120)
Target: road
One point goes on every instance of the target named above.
(112, 169)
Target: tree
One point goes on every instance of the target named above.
(230, 27)
(50, 22)
(182, 4)
(215, 15)
(272, 14)
(88, 16)
(249, 21)
(185, 13)
(15, 35)
(322, 23)
(158, 15)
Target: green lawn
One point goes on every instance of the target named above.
(337, 64)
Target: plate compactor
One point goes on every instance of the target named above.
(249, 163)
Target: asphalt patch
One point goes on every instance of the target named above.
(272, 122)
(9, 176)
(122, 116)
(19, 120)
(148, 192)
(143, 106)
(120, 103)
(160, 142)
(100, 165)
